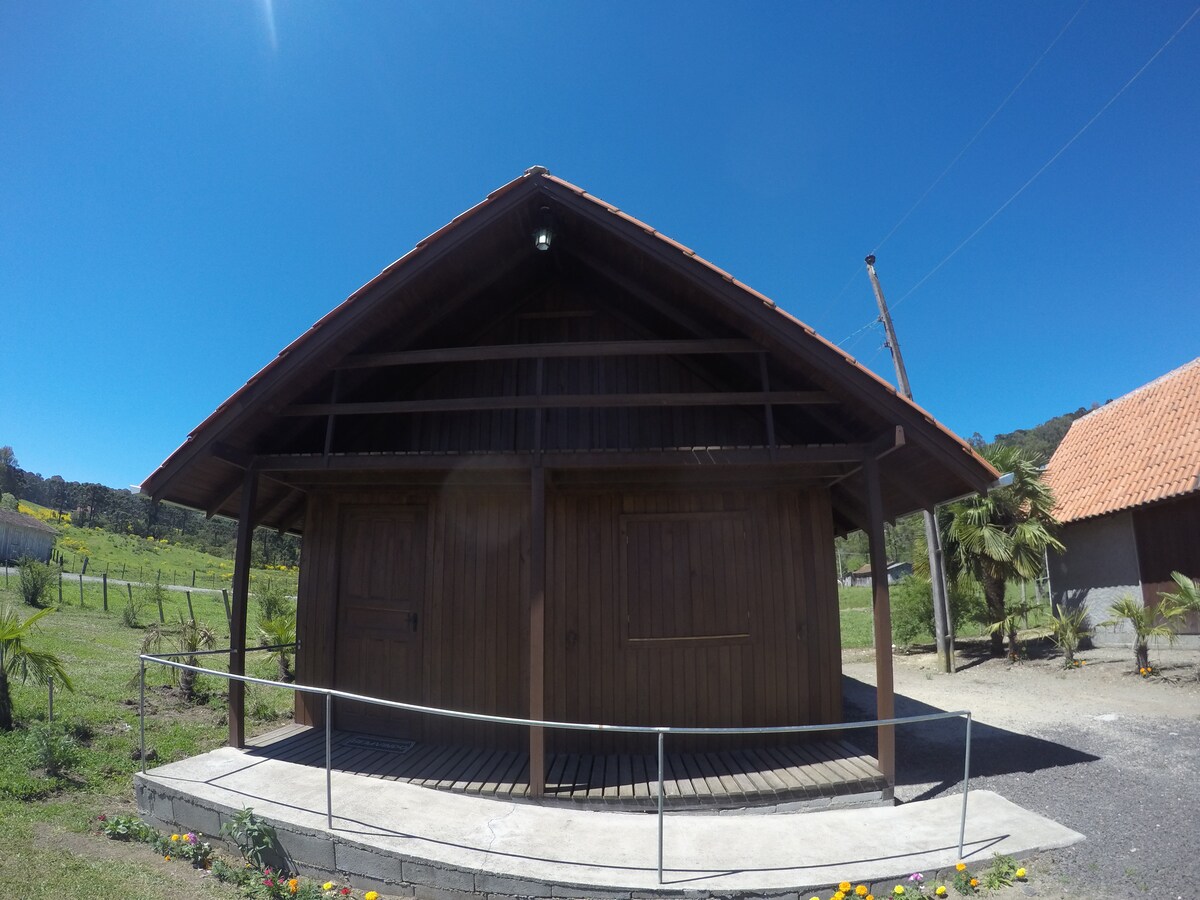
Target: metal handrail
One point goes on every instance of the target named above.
(661, 731)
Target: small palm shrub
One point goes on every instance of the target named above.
(1147, 624)
(1016, 615)
(272, 598)
(183, 636)
(1068, 628)
(52, 748)
(34, 581)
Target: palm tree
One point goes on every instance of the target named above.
(1188, 595)
(1147, 623)
(280, 632)
(187, 636)
(17, 658)
(1004, 534)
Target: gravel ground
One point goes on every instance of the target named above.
(1098, 749)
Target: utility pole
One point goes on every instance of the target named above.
(942, 620)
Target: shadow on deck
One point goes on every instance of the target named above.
(820, 774)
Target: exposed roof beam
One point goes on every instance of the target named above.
(686, 456)
(562, 401)
(564, 350)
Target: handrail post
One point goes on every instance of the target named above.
(329, 760)
(661, 736)
(962, 825)
(142, 713)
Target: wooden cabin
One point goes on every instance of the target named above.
(24, 536)
(553, 464)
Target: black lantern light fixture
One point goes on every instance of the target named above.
(544, 233)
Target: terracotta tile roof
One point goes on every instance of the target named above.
(1139, 449)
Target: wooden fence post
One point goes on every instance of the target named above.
(228, 613)
(81, 589)
(104, 587)
(158, 596)
(191, 612)
(60, 586)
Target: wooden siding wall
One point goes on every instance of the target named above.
(788, 671)
(1167, 542)
(784, 669)
(562, 315)
(473, 621)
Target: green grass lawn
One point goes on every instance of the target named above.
(45, 849)
(131, 558)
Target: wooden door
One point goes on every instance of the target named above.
(380, 616)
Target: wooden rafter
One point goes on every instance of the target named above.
(562, 401)
(562, 350)
(599, 459)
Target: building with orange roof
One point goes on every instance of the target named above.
(1126, 480)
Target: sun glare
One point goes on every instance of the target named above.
(268, 10)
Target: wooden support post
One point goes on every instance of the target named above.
(885, 695)
(241, 600)
(537, 632)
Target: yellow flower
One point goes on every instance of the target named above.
(962, 866)
(293, 885)
(370, 895)
(898, 890)
(327, 886)
(174, 838)
(844, 886)
(1020, 873)
(167, 858)
(839, 896)
(974, 882)
(941, 890)
(861, 890)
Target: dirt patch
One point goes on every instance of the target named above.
(1099, 749)
(1039, 690)
(189, 883)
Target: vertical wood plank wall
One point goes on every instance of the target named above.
(787, 671)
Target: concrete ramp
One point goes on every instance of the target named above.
(397, 837)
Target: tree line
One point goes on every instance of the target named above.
(122, 511)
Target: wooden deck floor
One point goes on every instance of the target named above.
(808, 772)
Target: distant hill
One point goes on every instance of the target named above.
(1041, 440)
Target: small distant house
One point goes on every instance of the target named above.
(1127, 483)
(861, 577)
(22, 535)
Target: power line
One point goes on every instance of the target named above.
(1136, 75)
(982, 128)
(1063, 149)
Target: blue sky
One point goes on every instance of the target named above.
(186, 187)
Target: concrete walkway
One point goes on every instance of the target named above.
(392, 834)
